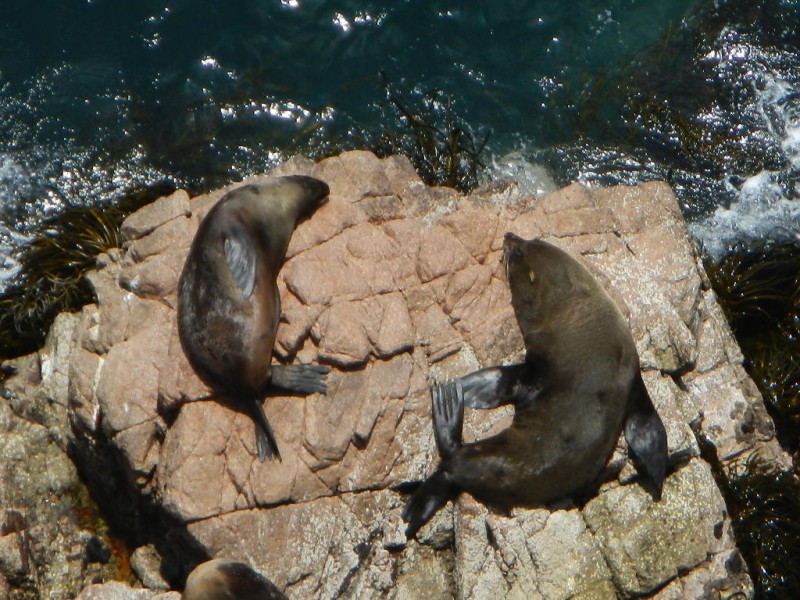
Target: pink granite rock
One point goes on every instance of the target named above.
(393, 284)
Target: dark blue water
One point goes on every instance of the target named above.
(101, 96)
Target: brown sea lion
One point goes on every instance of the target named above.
(228, 301)
(227, 580)
(579, 386)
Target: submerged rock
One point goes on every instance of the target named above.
(393, 284)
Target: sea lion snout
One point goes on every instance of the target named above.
(512, 244)
(512, 249)
(514, 258)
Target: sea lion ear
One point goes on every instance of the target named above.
(241, 259)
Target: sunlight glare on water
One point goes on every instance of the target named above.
(104, 97)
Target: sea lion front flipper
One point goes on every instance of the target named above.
(646, 437)
(303, 379)
(447, 401)
(241, 258)
(266, 445)
(495, 386)
(432, 495)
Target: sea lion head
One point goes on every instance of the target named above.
(228, 580)
(538, 271)
(288, 200)
(307, 193)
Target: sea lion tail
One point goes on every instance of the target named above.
(646, 437)
(432, 495)
(266, 445)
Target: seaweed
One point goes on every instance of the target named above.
(54, 264)
(425, 126)
(764, 503)
(758, 287)
(109, 548)
(434, 137)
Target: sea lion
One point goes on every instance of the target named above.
(228, 300)
(227, 580)
(579, 386)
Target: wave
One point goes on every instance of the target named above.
(766, 206)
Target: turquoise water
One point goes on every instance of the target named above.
(100, 96)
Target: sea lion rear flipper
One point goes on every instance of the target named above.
(241, 258)
(646, 437)
(447, 401)
(303, 379)
(495, 386)
(266, 445)
(432, 495)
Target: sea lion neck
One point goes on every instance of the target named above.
(271, 210)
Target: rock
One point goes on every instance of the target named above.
(42, 543)
(14, 562)
(5, 588)
(647, 543)
(394, 284)
(156, 214)
(115, 590)
(146, 563)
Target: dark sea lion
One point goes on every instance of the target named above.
(227, 580)
(228, 301)
(579, 386)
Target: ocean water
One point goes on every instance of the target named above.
(101, 96)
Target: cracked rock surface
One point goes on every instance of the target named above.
(394, 284)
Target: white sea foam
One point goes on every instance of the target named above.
(11, 174)
(532, 179)
(762, 210)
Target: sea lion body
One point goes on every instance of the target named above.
(228, 580)
(228, 300)
(579, 386)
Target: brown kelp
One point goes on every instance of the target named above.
(758, 287)
(433, 136)
(52, 267)
(764, 503)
